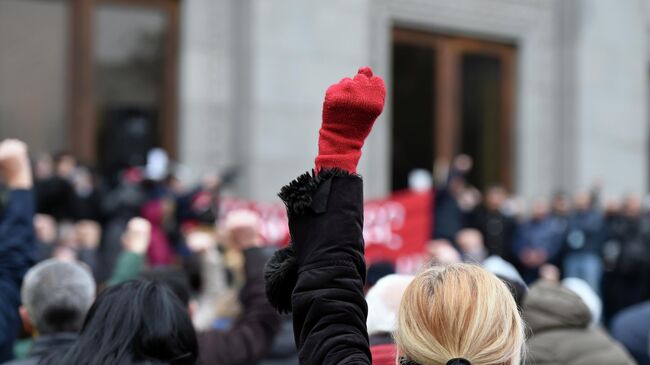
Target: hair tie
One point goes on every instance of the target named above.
(459, 361)
(456, 361)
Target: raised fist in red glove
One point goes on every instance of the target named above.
(349, 111)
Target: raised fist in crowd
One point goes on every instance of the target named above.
(350, 109)
(15, 169)
(199, 241)
(241, 229)
(137, 236)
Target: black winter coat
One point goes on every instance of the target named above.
(321, 276)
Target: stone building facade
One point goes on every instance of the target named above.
(253, 74)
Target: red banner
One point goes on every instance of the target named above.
(395, 229)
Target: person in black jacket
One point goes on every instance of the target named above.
(55, 193)
(496, 224)
(320, 276)
(325, 221)
(17, 238)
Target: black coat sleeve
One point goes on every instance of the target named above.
(17, 244)
(252, 335)
(329, 309)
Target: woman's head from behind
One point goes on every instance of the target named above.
(459, 311)
(136, 322)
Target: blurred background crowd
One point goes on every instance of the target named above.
(528, 120)
(603, 243)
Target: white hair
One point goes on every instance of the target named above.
(57, 294)
(383, 303)
(503, 268)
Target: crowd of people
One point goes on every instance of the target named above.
(607, 244)
(136, 268)
(67, 235)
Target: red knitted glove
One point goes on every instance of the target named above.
(349, 111)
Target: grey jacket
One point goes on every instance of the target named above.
(561, 335)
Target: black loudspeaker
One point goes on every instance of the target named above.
(127, 134)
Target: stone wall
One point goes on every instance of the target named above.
(254, 73)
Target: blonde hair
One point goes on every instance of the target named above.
(459, 311)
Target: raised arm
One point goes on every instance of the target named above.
(135, 242)
(321, 275)
(17, 239)
(252, 334)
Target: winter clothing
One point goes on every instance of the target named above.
(498, 231)
(627, 257)
(583, 246)
(55, 196)
(283, 351)
(128, 267)
(251, 336)
(349, 111)
(538, 234)
(449, 216)
(584, 232)
(17, 246)
(88, 206)
(323, 272)
(588, 296)
(631, 327)
(46, 345)
(559, 321)
(122, 204)
(160, 250)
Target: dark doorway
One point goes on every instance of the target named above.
(125, 61)
(413, 111)
(452, 95)
(481, 117)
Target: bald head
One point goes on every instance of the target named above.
(443, 253)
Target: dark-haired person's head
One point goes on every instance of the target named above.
(65, 164)
(377, 271)
(175, 279)
(56, 296)
(136, 322)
